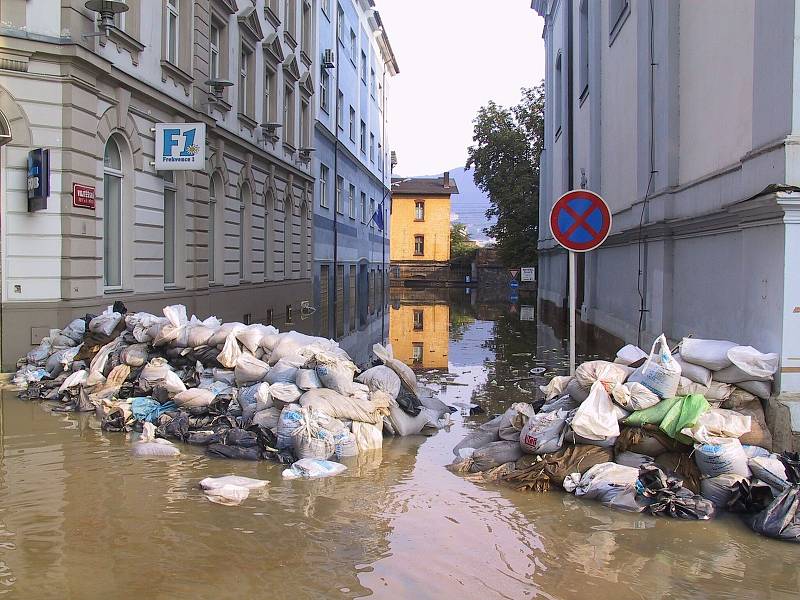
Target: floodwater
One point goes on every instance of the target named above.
(80, 518)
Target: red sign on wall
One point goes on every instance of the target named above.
(83, 196)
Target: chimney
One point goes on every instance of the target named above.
(447, 179)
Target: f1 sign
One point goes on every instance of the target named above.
(180, 146)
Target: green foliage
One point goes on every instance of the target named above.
(461, 246)
(508, 144)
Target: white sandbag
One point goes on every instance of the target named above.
(596, 419)
(477, 439)
(721, 456)
(565, 402)
(267, 417)
(381, 378)
(719, 489)
(199, 333)
(222, 332)
(134, 355)
(106, 323)
(345, 444)
(214, 483)
(404, 424)
(310, 468)
(289, 343)
(760, 389)
(755, 451)
(172, 383)
(231, 352)
(258, 395)
(696, 373)
(758, 365)
(543, 433)
(76, 379)
(513, 421)
(252, 335)
(429, 399)
(193, 398)
(405, 372)
(660, 373)
(610, 374)
(282, 372)
(577, 392)
(718, 422)
(291, 418)
(627, 355)
(711, 354)
(738, 399)
(148, 445)
(632, 459)
(174, 332)
(63, 341)
(75, 330)
(311, 440)
(368, 436)
(285, 393)
(228, 495)
(556, 386)
(306, 379)
(250, 370)
(334, 373)
(153, 372)
(336, 405)
(734, 374)
(633, 396)
(769, 470)
(602, 482)
(139, 325)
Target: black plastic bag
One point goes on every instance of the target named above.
(236, 452)
(780, 519)
(669, 497)
(791, 460)
(409, 402)
(176, 428)
(203, 438)
(749, 498)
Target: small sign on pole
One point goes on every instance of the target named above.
(528, 273)
(580, 221)
(513, 273)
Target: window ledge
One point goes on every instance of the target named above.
(583, 96)
(623, 16)
(419, 220)
(289, 148)
(171, 287)
(248, 121)
(222, 105)
(305, 59)
(126, 42)
(271, 17)
(113, 291)
(289, 39)
(178, 74)
(557, 135)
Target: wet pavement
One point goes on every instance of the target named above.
(81, 518)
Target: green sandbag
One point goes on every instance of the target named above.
(653, 415)
(684, 413)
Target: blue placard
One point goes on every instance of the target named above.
(38, 178)
(513, 284)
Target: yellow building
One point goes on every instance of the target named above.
(420, 225)
(419, 334)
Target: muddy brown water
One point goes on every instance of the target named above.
(81, 518)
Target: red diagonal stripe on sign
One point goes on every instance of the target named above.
(580, 221)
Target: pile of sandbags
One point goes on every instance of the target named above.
(640, 434)
(242, 391)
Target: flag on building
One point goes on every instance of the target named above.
(377, 218)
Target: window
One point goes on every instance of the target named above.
(372, 213)
(288, 116)
(339, 192)
(326, 8)
(305, 124)
(170, 192)
(353, 46)
(363, 67)
(557, 100)
(112, 215)
(324, 89)
(416, 352)
(352, 200)
(243, 68)
(363, 207)
(419, 245)
(419, 210)
(372, 82)
(324, 300)
(340, 109)
(340, 23)
(418, 320)
(212, 230)
(242, 253)
(618, 11)
(172, 31)
(363, 137)
(372, 147)
(380, 157)
(353, 296)
(305, 34)
(270, 95)
(213, 51)
(289, 24)
(380, 96)
(583, 67)
(323, 185)
(352, 124)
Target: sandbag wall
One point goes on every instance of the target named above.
(242, 391)
(679, 434)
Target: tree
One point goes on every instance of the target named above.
(461, 246)
(505, 156)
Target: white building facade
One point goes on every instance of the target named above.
(353, 170)
(685, 117)
(233, 239)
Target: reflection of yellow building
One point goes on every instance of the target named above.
(419, 334)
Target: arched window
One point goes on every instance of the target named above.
(269, 233)
(245, 242)
(304, 240)
(212, 230)
(170, 227)
(287, 236)
(112, 215)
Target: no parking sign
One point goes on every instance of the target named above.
(580, 220)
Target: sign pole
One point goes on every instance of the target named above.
(572, 301)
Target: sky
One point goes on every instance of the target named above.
(454, 56)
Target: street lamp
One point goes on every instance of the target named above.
(107, 9)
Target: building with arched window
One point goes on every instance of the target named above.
(215, 239)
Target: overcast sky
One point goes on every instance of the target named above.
(454, 56)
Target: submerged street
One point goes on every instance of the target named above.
(80, 517)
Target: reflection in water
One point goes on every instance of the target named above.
(418, 332)
(81, 518)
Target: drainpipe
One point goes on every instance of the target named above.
(336, 180)
(570, 157)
